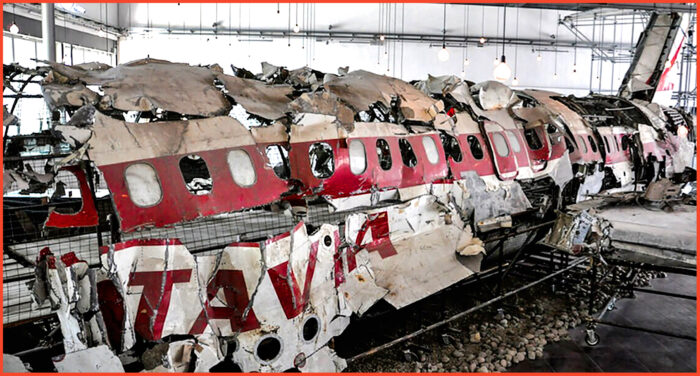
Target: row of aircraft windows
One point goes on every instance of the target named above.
(624, 144)
(145, 188)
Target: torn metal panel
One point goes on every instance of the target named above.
(324, 103)
(68, 285)
(260, 296)
(651, 53)
(360, 89)
(75, 95)
(8, 118)
(437, 84)
(413, 247)
(13, 364)
(494, 95)
(487, 197)
(98, 359)
(267, 101)
(142, 166)
(114, 141)
(275, 133)
(86, 216)
(149, 84)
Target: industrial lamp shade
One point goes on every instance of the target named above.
(443, 54)
(14, 29)
(296, 28)
(502, 71)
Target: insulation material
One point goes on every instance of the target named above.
(98, 359)
(149, 84)
(412, 247)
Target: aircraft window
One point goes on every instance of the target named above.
(533, 139)
(475, 147)
(617, 144)
(514, 142)
(625, 142)
(321, 159)
(196, 174)
(451, 146)
(278, 159)
(569, 145)
(594, 148)
(607, 144)
(430, 149)
(407, 154)
(582, 144)
(241, 167)
(68, 202)
(383, 154)
(358, 158)
(501, 145)
(143, 185)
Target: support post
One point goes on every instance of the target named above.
(48, 30)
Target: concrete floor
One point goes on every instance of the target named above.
(629, 350)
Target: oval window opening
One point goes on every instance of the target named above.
(268, 349)
(241, 167)
(430, 149)
(582, 144)
(625, 142)
(358, 158)
(499, 142)
(196, 174)
(407, 155)
(143, 185)
(321, 160)
(278, 159)
(617, 144)
(569, 145)
(607, 144)
(451, 147)
(533, 139)
(593, 144)
(66, 201)
(514, 142)
(475, 147)
(384, 154)
(310, 328)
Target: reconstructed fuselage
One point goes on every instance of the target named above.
(385, 190)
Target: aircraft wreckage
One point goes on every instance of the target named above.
(322, 194)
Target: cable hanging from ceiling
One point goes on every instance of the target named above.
(502, 71)
(443, 54)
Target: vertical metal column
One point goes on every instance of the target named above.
(48, 30)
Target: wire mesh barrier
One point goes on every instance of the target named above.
(25, 235)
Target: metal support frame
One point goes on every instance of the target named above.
(626, 285)
(573, 264)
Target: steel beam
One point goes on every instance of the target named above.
(48, 30)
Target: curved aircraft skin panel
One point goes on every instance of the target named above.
(271, 213)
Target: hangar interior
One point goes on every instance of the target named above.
(194, 187)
